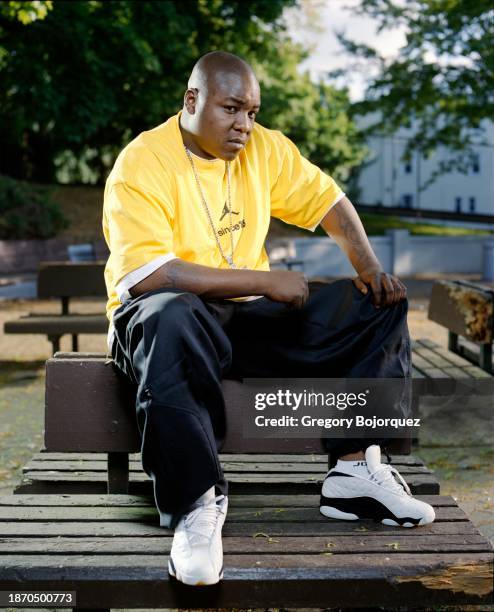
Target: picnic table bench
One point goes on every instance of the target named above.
(65, 280)
(466, 309)
(86, 520)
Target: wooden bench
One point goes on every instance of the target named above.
(279, 550)
(65, 280)
(467, 311)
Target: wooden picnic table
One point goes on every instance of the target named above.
(466, 310)
(279, 551)
(64, 533)
(64, 281)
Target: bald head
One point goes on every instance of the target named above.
(216, 66)
(220, 106)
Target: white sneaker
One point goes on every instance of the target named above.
(369, 490)
(196, 557)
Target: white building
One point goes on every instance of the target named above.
(386, 179)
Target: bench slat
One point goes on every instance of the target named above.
(228, 467)
(303, 580)
(432, 357)
(233, 477)
(58, 324)
(476, 372)
(449, 356)
(73, 567)
(148, 514)
(127, 528)
(398, 460)
(234, 501)
(382, 543)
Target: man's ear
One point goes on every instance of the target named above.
(190, 100)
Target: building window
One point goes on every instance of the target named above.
(476, 163)
(407, 200)
(408, 167)
(472, 204)
(458, 205)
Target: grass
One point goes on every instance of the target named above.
(376, 225)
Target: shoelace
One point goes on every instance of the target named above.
(384, 475)
(200, 523)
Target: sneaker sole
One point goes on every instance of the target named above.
(334, 513)
(190, 580)
(367, 508)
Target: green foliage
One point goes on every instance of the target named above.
(79, 84)
(26, 12)
(314, 116)
(442, 81)
(28, 211)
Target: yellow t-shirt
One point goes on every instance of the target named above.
(152, 204)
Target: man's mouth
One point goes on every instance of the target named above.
(238, 142)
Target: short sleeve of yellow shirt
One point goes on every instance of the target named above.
(138, 213)
(301, 193)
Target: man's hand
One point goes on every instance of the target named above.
(287, 286)
(386, 288)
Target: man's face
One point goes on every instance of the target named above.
(224, 115)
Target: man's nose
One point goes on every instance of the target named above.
(242, 122)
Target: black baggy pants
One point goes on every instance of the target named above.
(177, 348)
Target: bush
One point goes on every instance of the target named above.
(28, 211)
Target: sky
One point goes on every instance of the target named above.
(327, 53)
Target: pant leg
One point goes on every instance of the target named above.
(176, 352)
(338, 334)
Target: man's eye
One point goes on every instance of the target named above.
(231, 109)
(252, 114)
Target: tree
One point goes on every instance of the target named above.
(26, 12)
(77, 85)
(442, 81)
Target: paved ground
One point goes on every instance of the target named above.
(457, 446)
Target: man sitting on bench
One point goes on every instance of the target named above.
(191, 300)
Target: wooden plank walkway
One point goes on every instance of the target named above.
(294, 474)
(279, 552)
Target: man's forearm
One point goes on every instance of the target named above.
(343, 224)
(204, 281)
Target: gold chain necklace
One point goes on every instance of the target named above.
(227, 258)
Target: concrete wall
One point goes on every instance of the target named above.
(398, 251)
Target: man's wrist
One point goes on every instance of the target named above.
(261, 282)
(370, 269)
